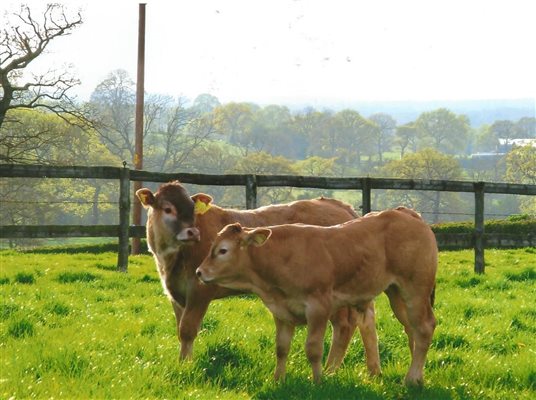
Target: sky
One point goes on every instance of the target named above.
(307, 51)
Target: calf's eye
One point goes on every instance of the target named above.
(167, 210)
(222, 251)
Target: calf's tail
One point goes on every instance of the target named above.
(432, 296)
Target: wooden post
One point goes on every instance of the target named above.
(124, 214)
(138, 157)
(366, 206)
(251, 192)
(479, 227)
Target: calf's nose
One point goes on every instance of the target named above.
(189, 234)
(198, 273)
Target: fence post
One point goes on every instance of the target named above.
(124, 218)
(479, 227)
(251, 192)
(366, 206)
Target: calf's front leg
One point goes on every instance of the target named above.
(178, 310)
(189, 325)
(283, 338)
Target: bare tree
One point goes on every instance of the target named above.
(184, 131)
(22, 43)
(113, 102)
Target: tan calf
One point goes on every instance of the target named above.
(303, 273)
(180, 230)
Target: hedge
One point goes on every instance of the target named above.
(515, 224)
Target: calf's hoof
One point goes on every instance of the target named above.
(185, 356)
(414, 381)
(279, 378)
(375, 371)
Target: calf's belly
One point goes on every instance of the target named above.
(291, 312)
(358, 293)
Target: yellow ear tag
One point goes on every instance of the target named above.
(143, 198)
(200, 207)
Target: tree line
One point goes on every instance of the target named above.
(205, 136)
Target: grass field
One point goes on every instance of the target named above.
(72, 327)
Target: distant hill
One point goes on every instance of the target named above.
(479, 112)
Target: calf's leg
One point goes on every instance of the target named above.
(400, 310)
(344, 322)
(367, 328)
(343, 329)
(190, 323)
(284, 332)
(178, 310)
(422, 321)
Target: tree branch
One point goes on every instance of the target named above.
(19, 46)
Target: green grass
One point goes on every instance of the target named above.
(72, 327)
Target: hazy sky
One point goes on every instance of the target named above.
(281, 51)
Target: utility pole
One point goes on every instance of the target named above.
(138, 157)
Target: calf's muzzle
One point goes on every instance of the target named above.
(189, 235)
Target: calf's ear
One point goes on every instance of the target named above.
(146, 197)
(202, 203)
(257, 237)
(202, 197)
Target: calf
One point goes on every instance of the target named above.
(180, 230)
(303, 273)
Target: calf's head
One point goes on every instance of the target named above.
(171, 212)
(228, 257)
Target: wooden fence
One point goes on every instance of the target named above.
(251, 182)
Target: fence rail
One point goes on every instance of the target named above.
(250, 182)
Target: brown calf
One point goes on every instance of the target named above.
(302, 273)
(180, 230)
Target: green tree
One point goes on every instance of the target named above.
(316, 166)
(521, 168)
(425, 164)
(262, 163)
(30, 139)
(236, 121)
(443, 130)
(406, 138)
(521, 165)
(309, 126)
(526, 127)
(504, 129)
(486, 139)
(214, 157)
(205, 103)
(44, 138)
(351, 137)
(274, 133)
(386, 130)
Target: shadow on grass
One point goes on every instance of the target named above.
(220, 359)
(526, 275)
(302, 388)
(77, 277)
